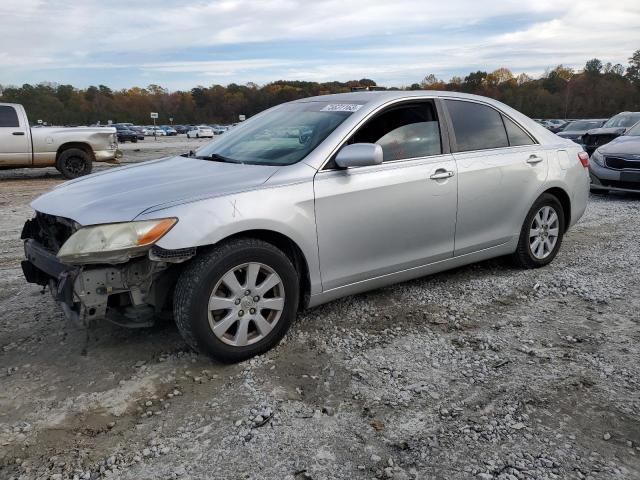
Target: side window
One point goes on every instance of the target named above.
(407, 131)
(517, 136)
(8, 117)
(476, 126)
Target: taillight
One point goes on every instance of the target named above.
(584, 159)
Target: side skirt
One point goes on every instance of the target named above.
(412, 273)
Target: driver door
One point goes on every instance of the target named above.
(377, 220)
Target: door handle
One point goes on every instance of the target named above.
(441, 174)
(533, 159)
(18, 133)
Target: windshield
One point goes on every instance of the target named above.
(582, 125)
(634, 131)
(282, 136)
(623, 120)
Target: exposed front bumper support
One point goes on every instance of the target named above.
(84, 293)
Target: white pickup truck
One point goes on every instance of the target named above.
(71, 150)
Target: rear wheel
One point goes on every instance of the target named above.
(74, 162)
(541, 233)
(237, 300)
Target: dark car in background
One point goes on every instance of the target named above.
(575, 129)
(616, 165)
(181, 128)
(554, 125)
(125, 134)
(139, 130)
(614, 127)
(169, 130)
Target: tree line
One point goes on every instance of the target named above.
(598, 90)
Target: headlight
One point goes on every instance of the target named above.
(113, 242)
(597, 158)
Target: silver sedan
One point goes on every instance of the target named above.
(304, 203)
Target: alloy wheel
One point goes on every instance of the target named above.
(246, 304)
(543, 234)
(75, 165)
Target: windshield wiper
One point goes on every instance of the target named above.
(214, 157)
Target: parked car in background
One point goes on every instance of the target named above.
(218, 129)
(151, 131)
(575, 129)
(181, 128)
(555, 125)
(139, 131)
(125, 134)
(616, 165)
(71, 150)
(239, 236)
(612, 128)
(169, 130)
(201, 131)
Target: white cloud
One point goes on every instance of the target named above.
(93, 34)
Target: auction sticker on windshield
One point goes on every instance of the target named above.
(341, 107)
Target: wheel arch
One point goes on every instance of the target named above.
(79, 145)
(565, 201)
(290, 248)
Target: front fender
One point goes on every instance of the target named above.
(287, 210)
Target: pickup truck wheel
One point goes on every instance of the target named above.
(74, 162)
(237, 300)
(541, 233)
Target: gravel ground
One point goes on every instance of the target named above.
(483, 372)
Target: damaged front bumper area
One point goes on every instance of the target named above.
(131, 294)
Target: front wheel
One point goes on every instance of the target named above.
(237, 300)
(541, 233)
(74, 162)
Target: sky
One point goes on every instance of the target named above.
(182, 44)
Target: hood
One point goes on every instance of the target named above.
(570, 133)
(122, 193)
(607, 131)
(622, 146)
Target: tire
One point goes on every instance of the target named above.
(188, 136)
(134, 140)
(203, 277)
(197, 135)
(74, 163)
(530, 254)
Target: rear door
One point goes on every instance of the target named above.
(15, 143)
(376, 220)
(500, 171)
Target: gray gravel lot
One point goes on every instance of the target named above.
(483, 372)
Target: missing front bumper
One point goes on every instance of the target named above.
(126, 295)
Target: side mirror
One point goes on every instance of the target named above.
(359, 155)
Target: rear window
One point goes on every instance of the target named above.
(582, 125)
(517, 136)
(8, 117)
(476, 126)
(624, 120)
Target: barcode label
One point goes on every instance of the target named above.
(342, 107)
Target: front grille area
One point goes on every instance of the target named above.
(48, 230)
(619, 163)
